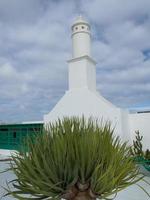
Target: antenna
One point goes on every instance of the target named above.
(78, 9)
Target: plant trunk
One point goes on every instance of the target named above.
(83, 196)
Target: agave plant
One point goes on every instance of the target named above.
(73, 159)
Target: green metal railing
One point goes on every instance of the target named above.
(144, 162)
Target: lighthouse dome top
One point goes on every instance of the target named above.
(80, 20)
(80, 24)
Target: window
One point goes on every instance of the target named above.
(34, 129)
(82, 27)
(31, 129)
(24, 129)
(14, 134)
(4, 129)
(14, 129)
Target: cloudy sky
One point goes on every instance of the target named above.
(35, 44)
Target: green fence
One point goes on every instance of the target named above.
(12, 136)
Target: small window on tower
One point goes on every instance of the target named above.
(82, 27)
(76, 28)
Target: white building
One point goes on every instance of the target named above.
(82, 98)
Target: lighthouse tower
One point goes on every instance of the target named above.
(82, 98)
(81, 38)
(82, 72)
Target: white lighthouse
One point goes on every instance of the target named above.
(82, 98)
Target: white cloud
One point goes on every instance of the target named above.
(20, 11)
(12, 82)
(7, 71)
(35, 43)
(107, 12)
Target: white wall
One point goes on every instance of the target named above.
(141, 122)
(80, 102)
(82, 73)
(81, 44)
(125, 126)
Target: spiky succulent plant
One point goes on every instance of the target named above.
(137, 149)
(74, 159)
(140, 156)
